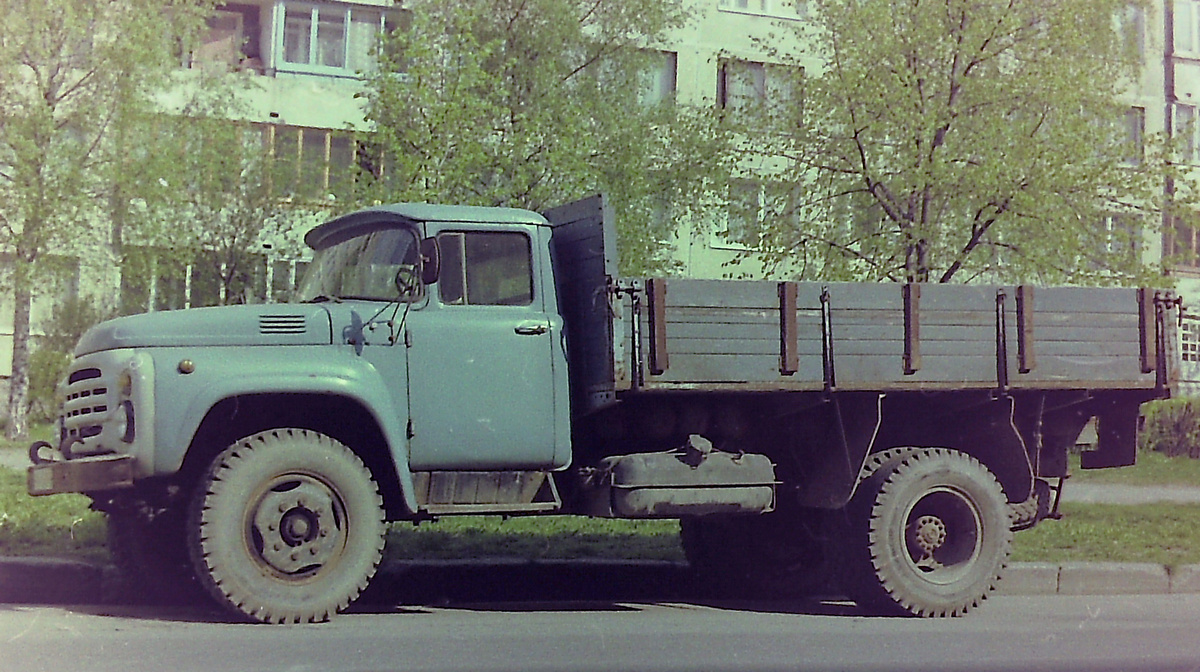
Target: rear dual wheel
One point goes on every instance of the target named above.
(928, 534)
(286, 527)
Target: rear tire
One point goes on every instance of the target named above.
(927, 534)
(286, 527)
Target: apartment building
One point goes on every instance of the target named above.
(303, 57)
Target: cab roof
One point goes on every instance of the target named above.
(363, 221)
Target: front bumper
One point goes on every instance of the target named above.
(91, 474)
(106, 433)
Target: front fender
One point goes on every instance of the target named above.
(190, 381)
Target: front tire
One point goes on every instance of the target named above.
(928, 534)
(286, 527)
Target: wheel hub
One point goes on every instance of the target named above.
(298, 526)
(942, 534)
(929, 533)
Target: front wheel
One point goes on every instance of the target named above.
(287, 527)
(927, 534)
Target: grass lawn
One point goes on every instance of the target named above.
(1151, 469)
(62, 525)
(1161, 533)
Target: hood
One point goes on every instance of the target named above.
(267, 324)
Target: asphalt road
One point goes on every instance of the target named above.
(1142, 633)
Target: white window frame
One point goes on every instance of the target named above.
(1189, 340)
(315, 11)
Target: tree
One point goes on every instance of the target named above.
(69, 72)
(205, 200)
(956, 139)
(531, 103)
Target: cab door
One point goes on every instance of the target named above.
(481, 372)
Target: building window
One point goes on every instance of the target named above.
(311, 163)
(155, 279)
(1130, 25)
(328, 39)
(1135, 135)
(1184, 131)
(750, 207)
(1189, 347)
(1187, 28)
(657, 81)
(745, 86)
(1121, 236)
(231, 39)
(1184, 245)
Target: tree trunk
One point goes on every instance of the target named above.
(18, 383)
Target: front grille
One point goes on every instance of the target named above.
(85, 403)
(281, 324)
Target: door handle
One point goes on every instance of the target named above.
(532, 328)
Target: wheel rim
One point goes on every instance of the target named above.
(942, 535)
(296, 527)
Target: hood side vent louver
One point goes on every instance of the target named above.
(281, 324)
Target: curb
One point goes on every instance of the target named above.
(56, 581)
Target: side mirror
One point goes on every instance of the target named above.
(431, 261)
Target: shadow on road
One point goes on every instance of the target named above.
(565, 586)
(513, 586)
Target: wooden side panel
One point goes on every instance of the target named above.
(1086, 335)
(718, 331)
(729, 334)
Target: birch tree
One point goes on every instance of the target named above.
(69, 72)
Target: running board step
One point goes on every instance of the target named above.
(480, 492)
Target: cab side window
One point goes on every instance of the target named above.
(490, 268)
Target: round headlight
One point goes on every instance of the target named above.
(126, 427)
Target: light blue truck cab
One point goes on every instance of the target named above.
(445, 360)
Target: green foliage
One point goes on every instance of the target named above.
(59, 525)
(959, 140)
(49, 361)
(46, 369)
(1159, 533)
(1172, 427)
(532, 103)
(203, 197)
(71, 73)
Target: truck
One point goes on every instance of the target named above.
(443, 360)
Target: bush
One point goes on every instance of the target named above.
(1172, 427)
(49, 361)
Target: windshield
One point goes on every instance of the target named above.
(369, 266)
